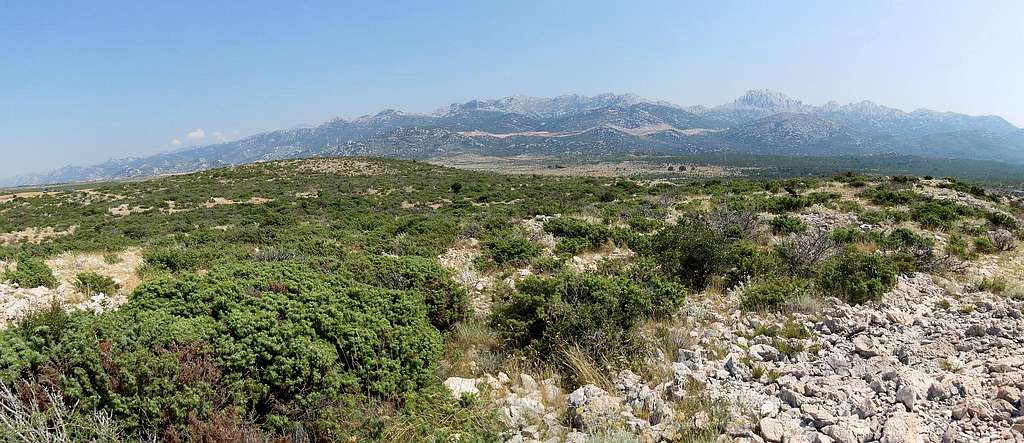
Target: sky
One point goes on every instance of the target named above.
(84, 82)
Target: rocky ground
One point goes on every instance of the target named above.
(16, 302)
(934, 361)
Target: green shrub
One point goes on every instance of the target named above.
(984, 245)
(188, 345)
(787, 203)
(772, 295)
(568, 227)
(446, 301)
(744, 260)
(883, 196)
(1002, 220)
(91, 283)
(787, 225)
(31, 272)
(644, 224)
(597, 313)
(572, 246)
(957, 246)
(903, 238)
(856, 277)
(508, 251)
(939, 214)
(689, 251)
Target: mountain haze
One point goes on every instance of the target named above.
(760, 121)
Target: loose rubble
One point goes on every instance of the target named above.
(923, 365)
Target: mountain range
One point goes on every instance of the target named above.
(760, 121)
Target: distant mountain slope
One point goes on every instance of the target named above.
(759, 121)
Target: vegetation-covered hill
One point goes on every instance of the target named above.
(347, 299)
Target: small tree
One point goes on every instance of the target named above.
(456, 187)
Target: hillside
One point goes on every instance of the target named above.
(371, 299)
(760, 122)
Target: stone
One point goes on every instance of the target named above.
(818, 414)
(902, 427)
(735, 368)
(975, 330)
(772, 429)
(591, 407)
(763, 352)
(907, 395)
(528, 383)
(1009, 393)
(459, 386)
(864, 346)
(769, 408)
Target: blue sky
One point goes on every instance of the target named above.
(83, 82)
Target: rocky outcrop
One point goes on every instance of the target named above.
(923, 365)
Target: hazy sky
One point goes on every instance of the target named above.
(83, 82)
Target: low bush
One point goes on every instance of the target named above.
(801, 253)
(597, 313)
(884, 196)
(856, 277)
(939, 214)
(574, 228)
(186, 346)
(446, 301)
(773, 294)
(787, 225)
(30, 272)
(508, 251)
(984, 245)
(745, 260)
(689, 251)
(91, 283)
(957, 246)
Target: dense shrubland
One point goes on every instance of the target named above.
(330, 317)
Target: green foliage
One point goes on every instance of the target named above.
(957, 246)
(939, 213)
(597, 313)
(573, 228)
(1002, 220)
(185, 345)
(773, 294)
(984, 245)
(885, 196)
(31, 272)
(446, 301)
(857, 278)
(508, 251)
(429, 416)
(689, 251)
(91, 283)
(745, 260)
(787, 225)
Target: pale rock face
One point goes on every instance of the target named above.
(459, 386)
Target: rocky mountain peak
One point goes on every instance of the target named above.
(769, 100)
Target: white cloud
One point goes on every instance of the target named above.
(198, 134)
(175, 142)
(220, 137)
